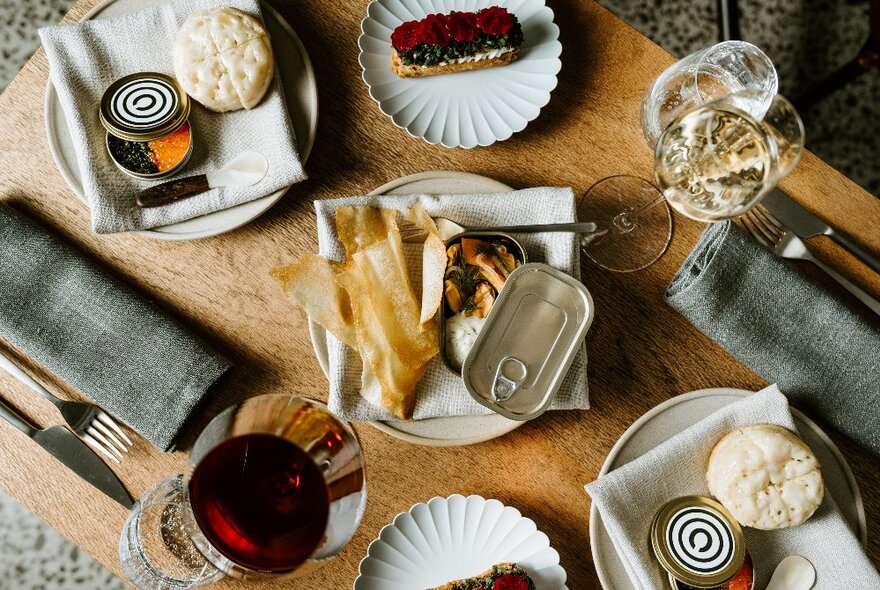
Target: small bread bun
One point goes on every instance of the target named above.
(766, 477)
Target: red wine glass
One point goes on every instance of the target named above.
(275, 488)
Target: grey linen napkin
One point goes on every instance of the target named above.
(441, 392)
(630, 496)
(85, 58)
(785, 327)
(94, 332)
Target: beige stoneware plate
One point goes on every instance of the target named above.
(300, 92)
(680, 412)
(434, 432)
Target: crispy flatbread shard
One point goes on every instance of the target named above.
(433, 263)
(360, 227)
(381, 343)
(312, 286)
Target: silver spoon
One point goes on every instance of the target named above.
(448, 228)
(793, 573)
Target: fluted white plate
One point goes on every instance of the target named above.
(464, 109)
(457, 537)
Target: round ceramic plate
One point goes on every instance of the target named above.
(464, 109)
(456, 537)
(433, 432)
(680, 412)
(300, 92)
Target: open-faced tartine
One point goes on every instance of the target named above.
(504, 576)
(455, 42)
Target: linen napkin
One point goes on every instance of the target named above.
(440, 392)
(94, 332)
(784, 326)
(630, 496)
(85, 58)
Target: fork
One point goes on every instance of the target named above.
(88, 421)
(774, 236)
(411, 233)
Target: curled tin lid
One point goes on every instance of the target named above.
(528, 342)
(698, 542)
(144, 106)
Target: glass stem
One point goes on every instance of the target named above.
(625, 221)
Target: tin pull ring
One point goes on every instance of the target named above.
(508, 381)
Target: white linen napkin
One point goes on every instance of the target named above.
(85, 58)
(440, 392)
(630, 496)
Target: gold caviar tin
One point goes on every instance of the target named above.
(144, 106)
(698, 542)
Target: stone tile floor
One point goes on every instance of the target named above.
(806, 39)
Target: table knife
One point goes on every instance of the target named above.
(74, 453)
(806, 225)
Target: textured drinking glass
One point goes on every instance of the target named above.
(718, 160)
(704, 76)
(275, 488)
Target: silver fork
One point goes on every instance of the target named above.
(772, 234)
(87, 421)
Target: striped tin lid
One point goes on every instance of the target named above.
(144, 106)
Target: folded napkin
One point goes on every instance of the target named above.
(784, 326)
(630, 496)
(94, 332)
(441, 392)
(85, 58)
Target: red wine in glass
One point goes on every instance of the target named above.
(261, 501)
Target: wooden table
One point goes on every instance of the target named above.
(641, 352)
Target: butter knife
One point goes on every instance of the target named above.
(806, 225)
(74, 453)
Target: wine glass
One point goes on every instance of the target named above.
(635, 223)
(275, 488)
(717, 161)
(711, 73)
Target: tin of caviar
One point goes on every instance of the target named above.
(146, 118)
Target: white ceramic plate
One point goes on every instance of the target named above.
(300, 92)
(432, 432)
(678, 413)
(457, 537)
(464, 109)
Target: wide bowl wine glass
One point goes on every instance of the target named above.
(709, 74)
(718, 160)
(275, 488)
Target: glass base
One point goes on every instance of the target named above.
(634, 221)
(155, 549)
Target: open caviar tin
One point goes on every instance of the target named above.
(699, 544)
(146, 116)
(523, 352)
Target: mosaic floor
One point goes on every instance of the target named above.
(805, 38)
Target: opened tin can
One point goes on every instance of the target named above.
(698, 542)
(529, 340)
(146, 116)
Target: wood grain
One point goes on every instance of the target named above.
(641, 352)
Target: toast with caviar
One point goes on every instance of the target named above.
(455, 42)
(504, 576)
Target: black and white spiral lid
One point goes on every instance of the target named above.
(698, 541)
(144, 106)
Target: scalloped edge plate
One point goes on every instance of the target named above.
(462, 109)
(446, 539)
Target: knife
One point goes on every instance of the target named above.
(74, 453)
(806, 225)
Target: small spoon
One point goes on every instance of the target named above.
(448, 228)
(793, 573)
(245, 169)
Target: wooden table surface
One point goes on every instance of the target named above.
(641, 352)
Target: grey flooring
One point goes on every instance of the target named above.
(806, 39)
